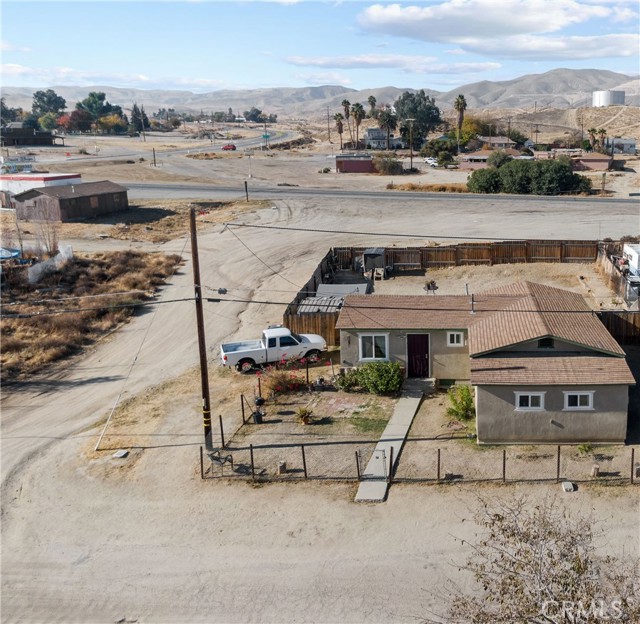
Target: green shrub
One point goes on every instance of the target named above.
(484, 181)
(348, 380)
(380, 377)
(462, 407)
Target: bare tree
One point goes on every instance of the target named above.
(47, 230)
(536, 563)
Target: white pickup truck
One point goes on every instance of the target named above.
(277, 343)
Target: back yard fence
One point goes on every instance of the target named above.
(423, 461)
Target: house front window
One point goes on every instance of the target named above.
(455, 339)
(578, 400)
(529, 401)
(374, 346)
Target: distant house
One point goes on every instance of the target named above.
(621, 145)
(478, 160)
(376, 139)
(592, 161)
(544, 368)
(71, 202)
(497, 142)
(14, 134)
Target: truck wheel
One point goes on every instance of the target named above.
(245, 366)
(313, 355)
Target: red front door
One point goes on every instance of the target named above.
(417, 355)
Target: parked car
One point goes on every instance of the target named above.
(433, 162)
(229, 146)
(277, 343)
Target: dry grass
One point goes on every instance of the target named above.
(452, 187)
(60, 318)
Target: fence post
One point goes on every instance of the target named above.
(504, 465)
(259, 388)
(438, 465)
(242, 407)
(357, 466)
(390, 477)
(253, 473)
(558, 466)
(633, 456)
(221, 430)
(304, 461)
(201, 464)
(307, 364)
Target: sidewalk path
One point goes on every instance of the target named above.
(374, 486)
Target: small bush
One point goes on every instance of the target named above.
(585, 449)
(282, 381)
(348, 380)
(380, 377)
(462, 407)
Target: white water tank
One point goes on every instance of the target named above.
(608, 98)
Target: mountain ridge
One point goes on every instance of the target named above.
(557, 88)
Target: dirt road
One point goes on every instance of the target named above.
(90, 540)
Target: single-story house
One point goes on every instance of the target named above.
(14, 183)
(543, 366)
(592, 161)
(71, 202)
(621, 145)
(497, 142)
(15, 134)
(478, 159)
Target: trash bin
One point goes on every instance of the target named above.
(257, 417)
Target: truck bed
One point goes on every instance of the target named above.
(245, 345)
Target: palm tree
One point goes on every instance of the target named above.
(602, 134)
(339, 127)
(372, 103)
(387, 121)
(346, 105)
(460, 105)
(592, 137)
(358, 113)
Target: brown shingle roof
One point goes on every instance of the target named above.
(550, 370)
(65, 191)
(538, 311)
(415, 312)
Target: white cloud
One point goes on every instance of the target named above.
(407, 64)
(536, 48)
(6, 46)
(454, 19)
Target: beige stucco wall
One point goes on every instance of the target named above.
(444, 362)
(498, 421)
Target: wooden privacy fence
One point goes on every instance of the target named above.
(506, 252)
(622, 325)
(421, 258)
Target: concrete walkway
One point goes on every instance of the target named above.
(374, 485)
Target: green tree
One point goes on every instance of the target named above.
(591, 132)
(7, 114)
(437, 146)
(422, 108)
(462, 405)
(372, 106)
(358, 113)
(460, 105)
(81, 120)
(48, 121)
(498, 158)
(96, 105)
(445, 158)
(387, 121)
(602, 135)
(139, 119)
(515, 176)
(47, 102)
(484, 181)
(346, 106)
(339, 118)
(255, 115)
(536, 562)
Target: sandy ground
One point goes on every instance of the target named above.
(87, 538)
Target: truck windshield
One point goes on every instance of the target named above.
(298, 337)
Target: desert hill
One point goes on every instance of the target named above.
(559, 88)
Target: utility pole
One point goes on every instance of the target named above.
(204, 371)
(410, 122)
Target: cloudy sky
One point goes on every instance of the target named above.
(205, 45)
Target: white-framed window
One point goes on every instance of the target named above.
(529, 401)
(578, 400)
(374, 346)
(455, 339)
